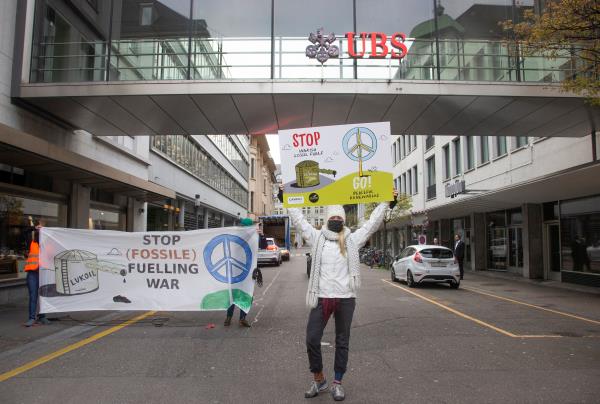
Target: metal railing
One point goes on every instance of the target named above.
(284, 58)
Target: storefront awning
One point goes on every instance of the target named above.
(572, 183)
(33, 154)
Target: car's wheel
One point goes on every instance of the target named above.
(277, 263)
(393, 275)
(410, 282)
(455, 284)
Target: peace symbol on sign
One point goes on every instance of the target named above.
(230, 267)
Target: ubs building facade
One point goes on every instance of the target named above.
(166, 73)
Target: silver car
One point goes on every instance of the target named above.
(270, 255)
(426, 263)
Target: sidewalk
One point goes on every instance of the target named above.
(518, 278)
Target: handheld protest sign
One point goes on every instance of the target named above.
(342, 164)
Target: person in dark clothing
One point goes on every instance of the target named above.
(459, 253)
(576, 254)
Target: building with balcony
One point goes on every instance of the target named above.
(66, 176)
(110, 101)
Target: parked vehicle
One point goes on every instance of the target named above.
(271, 254)
(426, 263)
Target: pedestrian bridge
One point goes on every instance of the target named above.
(143, 87)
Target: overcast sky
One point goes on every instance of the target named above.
(273, 141)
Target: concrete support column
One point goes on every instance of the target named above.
(478, 242)
(446, 236)
(136, 215)
(205, 225)
(181, 215)
(533, 245)
(79, 207)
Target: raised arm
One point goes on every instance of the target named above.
(309, 233)
(361, 235)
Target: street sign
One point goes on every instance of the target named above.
(452, 190)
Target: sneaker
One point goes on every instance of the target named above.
(245, 323)
(315, 389)
(43, 321)
(337, 391)
(227, 322)
(29, 323)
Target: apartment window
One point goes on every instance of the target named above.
(264, 209)
(404, 146)
(404, 183)
(252, 168)
(429, 142)
(484, 150)
(264, 186)
(394, 153)
(251, 201)
(521, 141)
(457, 156)
(415, 182)
(409, 186)
(414, 143)
(500, 145)
(399, 183)
(470, 153)
(146, 18)
(409, 144)
(446, 151)
(431, 188)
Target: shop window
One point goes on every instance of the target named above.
(102, 219)
(18, 215)
(515, 217)
(580, 235)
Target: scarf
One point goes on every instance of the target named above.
(352, 259)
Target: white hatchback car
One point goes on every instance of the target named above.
(426, 263)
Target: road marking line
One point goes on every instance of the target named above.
(262, 297)
(486, 293)
(458, 313)
(72, 347)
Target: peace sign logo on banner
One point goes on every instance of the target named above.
(228, 258)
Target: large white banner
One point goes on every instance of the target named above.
(342, 164)
(111, 270)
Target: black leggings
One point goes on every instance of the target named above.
(314, 332)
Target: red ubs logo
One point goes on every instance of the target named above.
(379, 45)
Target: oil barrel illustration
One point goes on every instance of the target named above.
(76, 272)
(307, 173)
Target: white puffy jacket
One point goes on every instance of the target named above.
(335, 279)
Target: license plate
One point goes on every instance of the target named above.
(438, 264)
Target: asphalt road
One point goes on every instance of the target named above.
(478, 344)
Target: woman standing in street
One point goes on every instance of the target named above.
(333, 285)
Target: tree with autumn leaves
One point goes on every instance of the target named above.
(565, 26)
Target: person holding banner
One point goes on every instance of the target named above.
(32, 268)
(333, 286)
(256, 276)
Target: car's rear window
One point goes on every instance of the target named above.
(439, 253)
(270, 242)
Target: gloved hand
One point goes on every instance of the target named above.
(280, 194)
(257, 277)
(395, 201)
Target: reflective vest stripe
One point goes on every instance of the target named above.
(33, 261)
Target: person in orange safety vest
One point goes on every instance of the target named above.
(32, 266)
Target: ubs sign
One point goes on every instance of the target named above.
(453, 190)
(374, 45)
